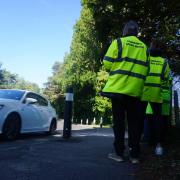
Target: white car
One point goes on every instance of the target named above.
(23, 112)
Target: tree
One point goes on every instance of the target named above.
(100, 22)
(156, 18)
(13, 81)
(52, 89)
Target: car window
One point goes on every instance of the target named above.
(40, 100)
(43, 101)
(31, 95)
(11, 94)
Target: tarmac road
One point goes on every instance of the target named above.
(82, 157)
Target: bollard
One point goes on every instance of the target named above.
(94, 121)
(68, 113)
(101, 122)
(87, 121)
(81, 121)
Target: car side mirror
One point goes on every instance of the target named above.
(30, 101)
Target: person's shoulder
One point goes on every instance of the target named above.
(163, 59)
(115, 40)
(134, 38)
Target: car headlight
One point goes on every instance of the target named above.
(1, 106)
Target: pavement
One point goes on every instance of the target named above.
(82, 157)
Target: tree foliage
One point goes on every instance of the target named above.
(13, 81)
(100, 22)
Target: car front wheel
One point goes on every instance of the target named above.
(11, 128)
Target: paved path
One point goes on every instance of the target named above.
(83, 157)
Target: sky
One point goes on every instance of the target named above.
(34, 34)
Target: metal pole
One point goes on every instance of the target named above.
(101, 122)
(176, 109)
(68, 113)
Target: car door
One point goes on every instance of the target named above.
(44, 112)
(31, 114)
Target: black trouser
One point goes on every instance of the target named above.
(156, 124)
(167, 125)
(147, 132)
(150, 125)
(121, 106)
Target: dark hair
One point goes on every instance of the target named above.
(156, 48)
(130, 29)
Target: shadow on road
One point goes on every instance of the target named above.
(59, 133)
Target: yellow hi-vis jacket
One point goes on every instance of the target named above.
(127, 61)
(166, 95)
(159, 71)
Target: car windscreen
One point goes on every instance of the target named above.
(11, 94)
